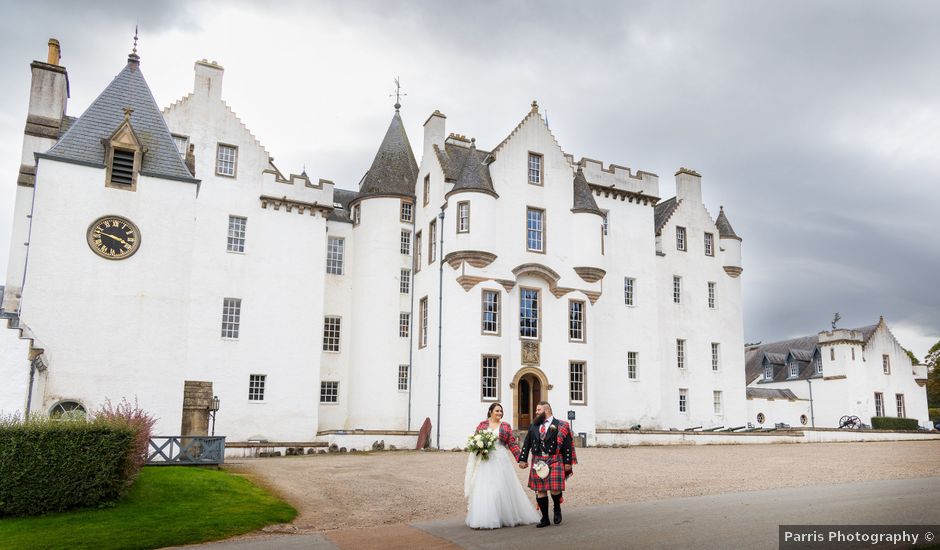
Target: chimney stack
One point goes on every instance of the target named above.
(434, 128)
(208, 79)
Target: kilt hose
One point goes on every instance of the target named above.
(555, 481)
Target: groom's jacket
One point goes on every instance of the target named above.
(556, 443)
(505, 435)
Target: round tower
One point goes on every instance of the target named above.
(730, 245)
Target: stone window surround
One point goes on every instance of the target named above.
(237, 229)
(712, 295)
(629, 291)
(404, 281)
(497, 310)
(572, 382)
(483, 366)
(682, 244)
(572, 328)
(427, 189)
(542, 230)
(218, 151)
(231, 318)
(463, 216)
(403, 377)
(538, 313)
(539, 169)
(710, 244)
(423, 322)
(335, 255)
(676, 289)
(407, 211)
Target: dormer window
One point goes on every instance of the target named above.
(818, 364)
(768, 373)
(123, 156)
(794, 369)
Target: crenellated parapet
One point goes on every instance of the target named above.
(621, 182)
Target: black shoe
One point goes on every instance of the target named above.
(543, 507)
(557, 515)
(543, 523)
(556, 500)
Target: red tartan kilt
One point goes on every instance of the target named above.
(555, 481)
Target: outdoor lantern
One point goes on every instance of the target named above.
(213, 408)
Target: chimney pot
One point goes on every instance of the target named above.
(55, 52)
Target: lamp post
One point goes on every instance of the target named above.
(213, 408)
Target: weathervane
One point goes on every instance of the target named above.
(835, 319)
(135, 39)
(397, 94)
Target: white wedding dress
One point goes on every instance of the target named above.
(495, 497)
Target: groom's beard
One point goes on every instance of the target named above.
(540, 419)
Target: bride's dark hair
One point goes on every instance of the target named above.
(489, 411)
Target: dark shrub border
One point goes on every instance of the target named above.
(893, 423)
(51, 466)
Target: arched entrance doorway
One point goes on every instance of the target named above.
(529, 387)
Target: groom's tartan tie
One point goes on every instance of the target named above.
(542, 431)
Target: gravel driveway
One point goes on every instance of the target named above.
(333, 491)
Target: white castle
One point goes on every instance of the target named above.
(157, 251)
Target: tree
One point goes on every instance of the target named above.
(933, 375)
(914, 359)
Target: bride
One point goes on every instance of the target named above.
(494, 496)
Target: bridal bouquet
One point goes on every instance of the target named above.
(481, 443)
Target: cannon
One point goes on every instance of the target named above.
(850, 422)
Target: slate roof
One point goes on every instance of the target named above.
(82, 142)
(342, 196)
(465, 167)
(725, 231)
(583, 197)
(776, 352)
(770, 393)
(394, 169)
(662, 212)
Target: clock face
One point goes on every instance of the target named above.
(114, 237)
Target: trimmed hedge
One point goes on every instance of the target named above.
(893, 423)
(51, 466)
(934, 414)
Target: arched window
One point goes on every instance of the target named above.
(67, 410)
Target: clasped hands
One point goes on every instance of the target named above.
(524, 465)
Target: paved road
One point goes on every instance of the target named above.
(735, 520)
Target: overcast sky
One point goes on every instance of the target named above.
(816, 124)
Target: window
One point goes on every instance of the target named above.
(427, 189)
(632, 357)
(818, 362)
(329, 392)
(680, 354)
(182, 144)
(68, 410)
(606, 222)
(886, 364)
(535, 226)
(794, 369)
(490, 312)
(879, 404)
(576, 321)
(716, 356)
(404, 282)
(256, 387)
(683, 400)
(122, 167)
(417, 251)
(676, 289)
(711, 295)
(356, 215)
(432, 241)
(629, 291)
(334, 255)
(463, 217)
(406, 242)
(231, 317)
(680, 238)
(853, 353)
(423, 328)
(403, 377)
(769, 372)
(331, 332)
(407, 212)
(489, 378)
(709, 244)
(529, 313)
(717, 401)
(832, 354)
(404, 324)
(236, 233)
(225, 160)
(576, 382)
(899, 397)
(535, 169)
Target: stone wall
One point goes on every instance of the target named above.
(196, 399)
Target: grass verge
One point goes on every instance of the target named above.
(167, 506)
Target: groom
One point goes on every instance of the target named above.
(549, 439)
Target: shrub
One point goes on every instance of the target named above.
(892, 423)
(137, 420)
(934, 414)
(51, 466)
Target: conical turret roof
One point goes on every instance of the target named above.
(394, 169)
(583, 198)
(725, 231)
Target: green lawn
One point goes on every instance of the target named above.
(168, 505)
